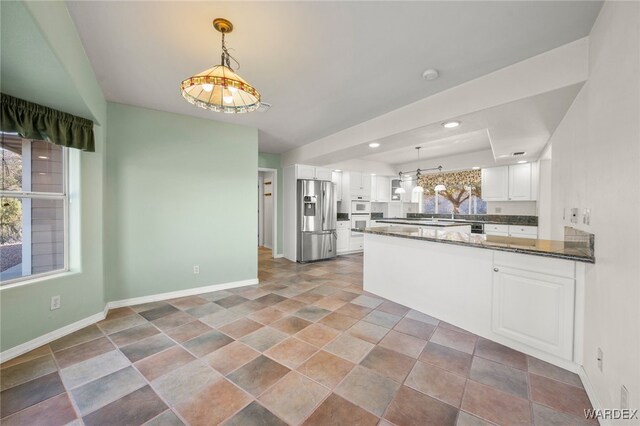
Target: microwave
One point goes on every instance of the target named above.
(360, 207)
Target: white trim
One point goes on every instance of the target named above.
(51, 336)
(73, 327)
(591, 393)
(180, 293)
(274, 237)
(278, 256)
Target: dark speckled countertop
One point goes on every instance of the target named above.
(569, 250)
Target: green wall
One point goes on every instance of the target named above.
(47, 28)
(181, 192)
(272, 161)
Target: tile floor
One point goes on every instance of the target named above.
(306, 346)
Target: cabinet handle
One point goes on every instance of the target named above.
(495, 270)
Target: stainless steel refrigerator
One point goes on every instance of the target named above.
(317, 235)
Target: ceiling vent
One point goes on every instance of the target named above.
(518, 153)
(264, 107)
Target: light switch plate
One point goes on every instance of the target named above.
(574, 215)
(586, 216)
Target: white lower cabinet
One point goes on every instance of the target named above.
(343, 232)
(343, 240)
(356, 244)
(534, 308)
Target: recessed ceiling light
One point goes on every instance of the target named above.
(522, 161)
(450, 124)
(518, 153)
(337, 170)
(430, 74)
(374, 145)
(373, 174)
(43, 157)
(504, 156)
(475, 168)
(41, 173)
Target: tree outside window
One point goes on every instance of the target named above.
(463, 194)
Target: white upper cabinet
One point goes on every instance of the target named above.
(336, 177)
(495, 184)
(323, 174)
(520, 182)
(510, 183)
(360, 185)
(312, 172)
(380, 189)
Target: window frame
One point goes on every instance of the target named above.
(64, 196)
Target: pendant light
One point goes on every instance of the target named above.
(418, 189)
(219, 88)
(440, 187)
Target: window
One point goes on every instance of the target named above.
(33, 220)
(462, 196)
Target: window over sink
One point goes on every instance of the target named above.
(463, 194)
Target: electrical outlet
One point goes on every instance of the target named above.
(55, 302)
(586, 216)
(498, 209)
(196, 269)
(599, 358)
(624, 398)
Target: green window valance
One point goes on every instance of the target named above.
(33, 121)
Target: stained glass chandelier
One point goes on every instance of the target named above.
(219, 88)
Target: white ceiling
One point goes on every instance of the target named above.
(324, 66)
(432, 144)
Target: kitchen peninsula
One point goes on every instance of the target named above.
(524, 293)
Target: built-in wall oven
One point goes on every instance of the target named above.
(360, 207)
(359, 222)
(360, 217)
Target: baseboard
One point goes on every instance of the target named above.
(278, 256)
(180, 293)
(68, 329)
(51, 336)
(591, 393)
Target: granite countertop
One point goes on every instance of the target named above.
(343, 219)
(492, 219)
(547, 248)
(423, 222)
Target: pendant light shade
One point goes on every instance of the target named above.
(440, 187)
(219, 88)
(418, 189)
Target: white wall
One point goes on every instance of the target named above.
(544, 194)
(596, 150)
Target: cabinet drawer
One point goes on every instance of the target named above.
(496, 229)
(344, 224)
(519, 229)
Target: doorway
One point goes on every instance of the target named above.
(267, 209)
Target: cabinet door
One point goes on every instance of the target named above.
(374, 188)
(323, 174)
(305, 172)
(356, 182)
(336, 177)
(535, 309)
(495, 183)
(520, 182)
(366, 184)
(408, 188)
(342, 244)
(383, 189)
